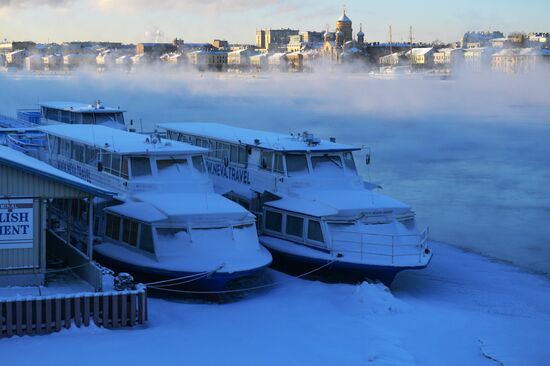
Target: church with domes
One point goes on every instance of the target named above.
(340, 44)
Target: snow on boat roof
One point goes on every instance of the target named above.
(141, 211)
(18, 160)
(267, 140)
(195, 207)
(119, 141)
(338, 203)
(80, 107)
(311, 208)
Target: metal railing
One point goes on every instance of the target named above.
(391, 242)
(11, 122)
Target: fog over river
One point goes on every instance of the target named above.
(471, 155)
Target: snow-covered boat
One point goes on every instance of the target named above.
(166, 222)
(30, 141)
(312, 206)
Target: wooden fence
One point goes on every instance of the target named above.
(42, 315)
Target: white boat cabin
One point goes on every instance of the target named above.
(306, 191)
(81, 113)
(124, 161)
(165, 201)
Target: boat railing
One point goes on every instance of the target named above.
(11, 122)
(384, 245)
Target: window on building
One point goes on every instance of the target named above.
(273, 220)
(140, 167)
(314, 231)
(296, 163)
(294, 225)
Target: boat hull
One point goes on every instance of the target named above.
(214, 282)
(338, 271)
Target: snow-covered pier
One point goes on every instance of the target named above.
(48, 280)
(30, 315)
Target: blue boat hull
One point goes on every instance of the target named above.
(215, 282)
(337, 271)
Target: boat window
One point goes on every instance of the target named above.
(78, 152)
(294, 225)
(106, 160)
(146, 239)
(314, 231)
(130, 232)
(140, 167)
(273, 220)
(222, 150)
(115, 164)
(124, 171)
(105, 118)
(234, 154)
(198, 163)
(266, 160)
(278, 164)
(91, 155)
(296, 163)
(65, 116)
(172, 166)
(170, 232)
(326, 162)
(87, 119)
(112, 227)
(349, 162)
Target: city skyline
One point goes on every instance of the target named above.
(135, 21)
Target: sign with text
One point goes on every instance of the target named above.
(230, 172)
(16, 223)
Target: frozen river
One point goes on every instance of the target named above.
(470, 155)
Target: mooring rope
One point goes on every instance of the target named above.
(245, 289)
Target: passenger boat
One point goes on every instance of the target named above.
(312, 206)
(21, 133)
(166, 221)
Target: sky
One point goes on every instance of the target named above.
(135, 21)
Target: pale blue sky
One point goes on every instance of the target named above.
(237, 20)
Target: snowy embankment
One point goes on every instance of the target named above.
(463, 310)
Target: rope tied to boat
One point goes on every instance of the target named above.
(190, 278)
(273, 284)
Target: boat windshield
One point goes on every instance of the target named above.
(327, 163)
(172, 166)
(296, 164)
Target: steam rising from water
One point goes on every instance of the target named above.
(470, 155)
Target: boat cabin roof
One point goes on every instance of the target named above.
(256, 138)
(81, 107)
(119, 141)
